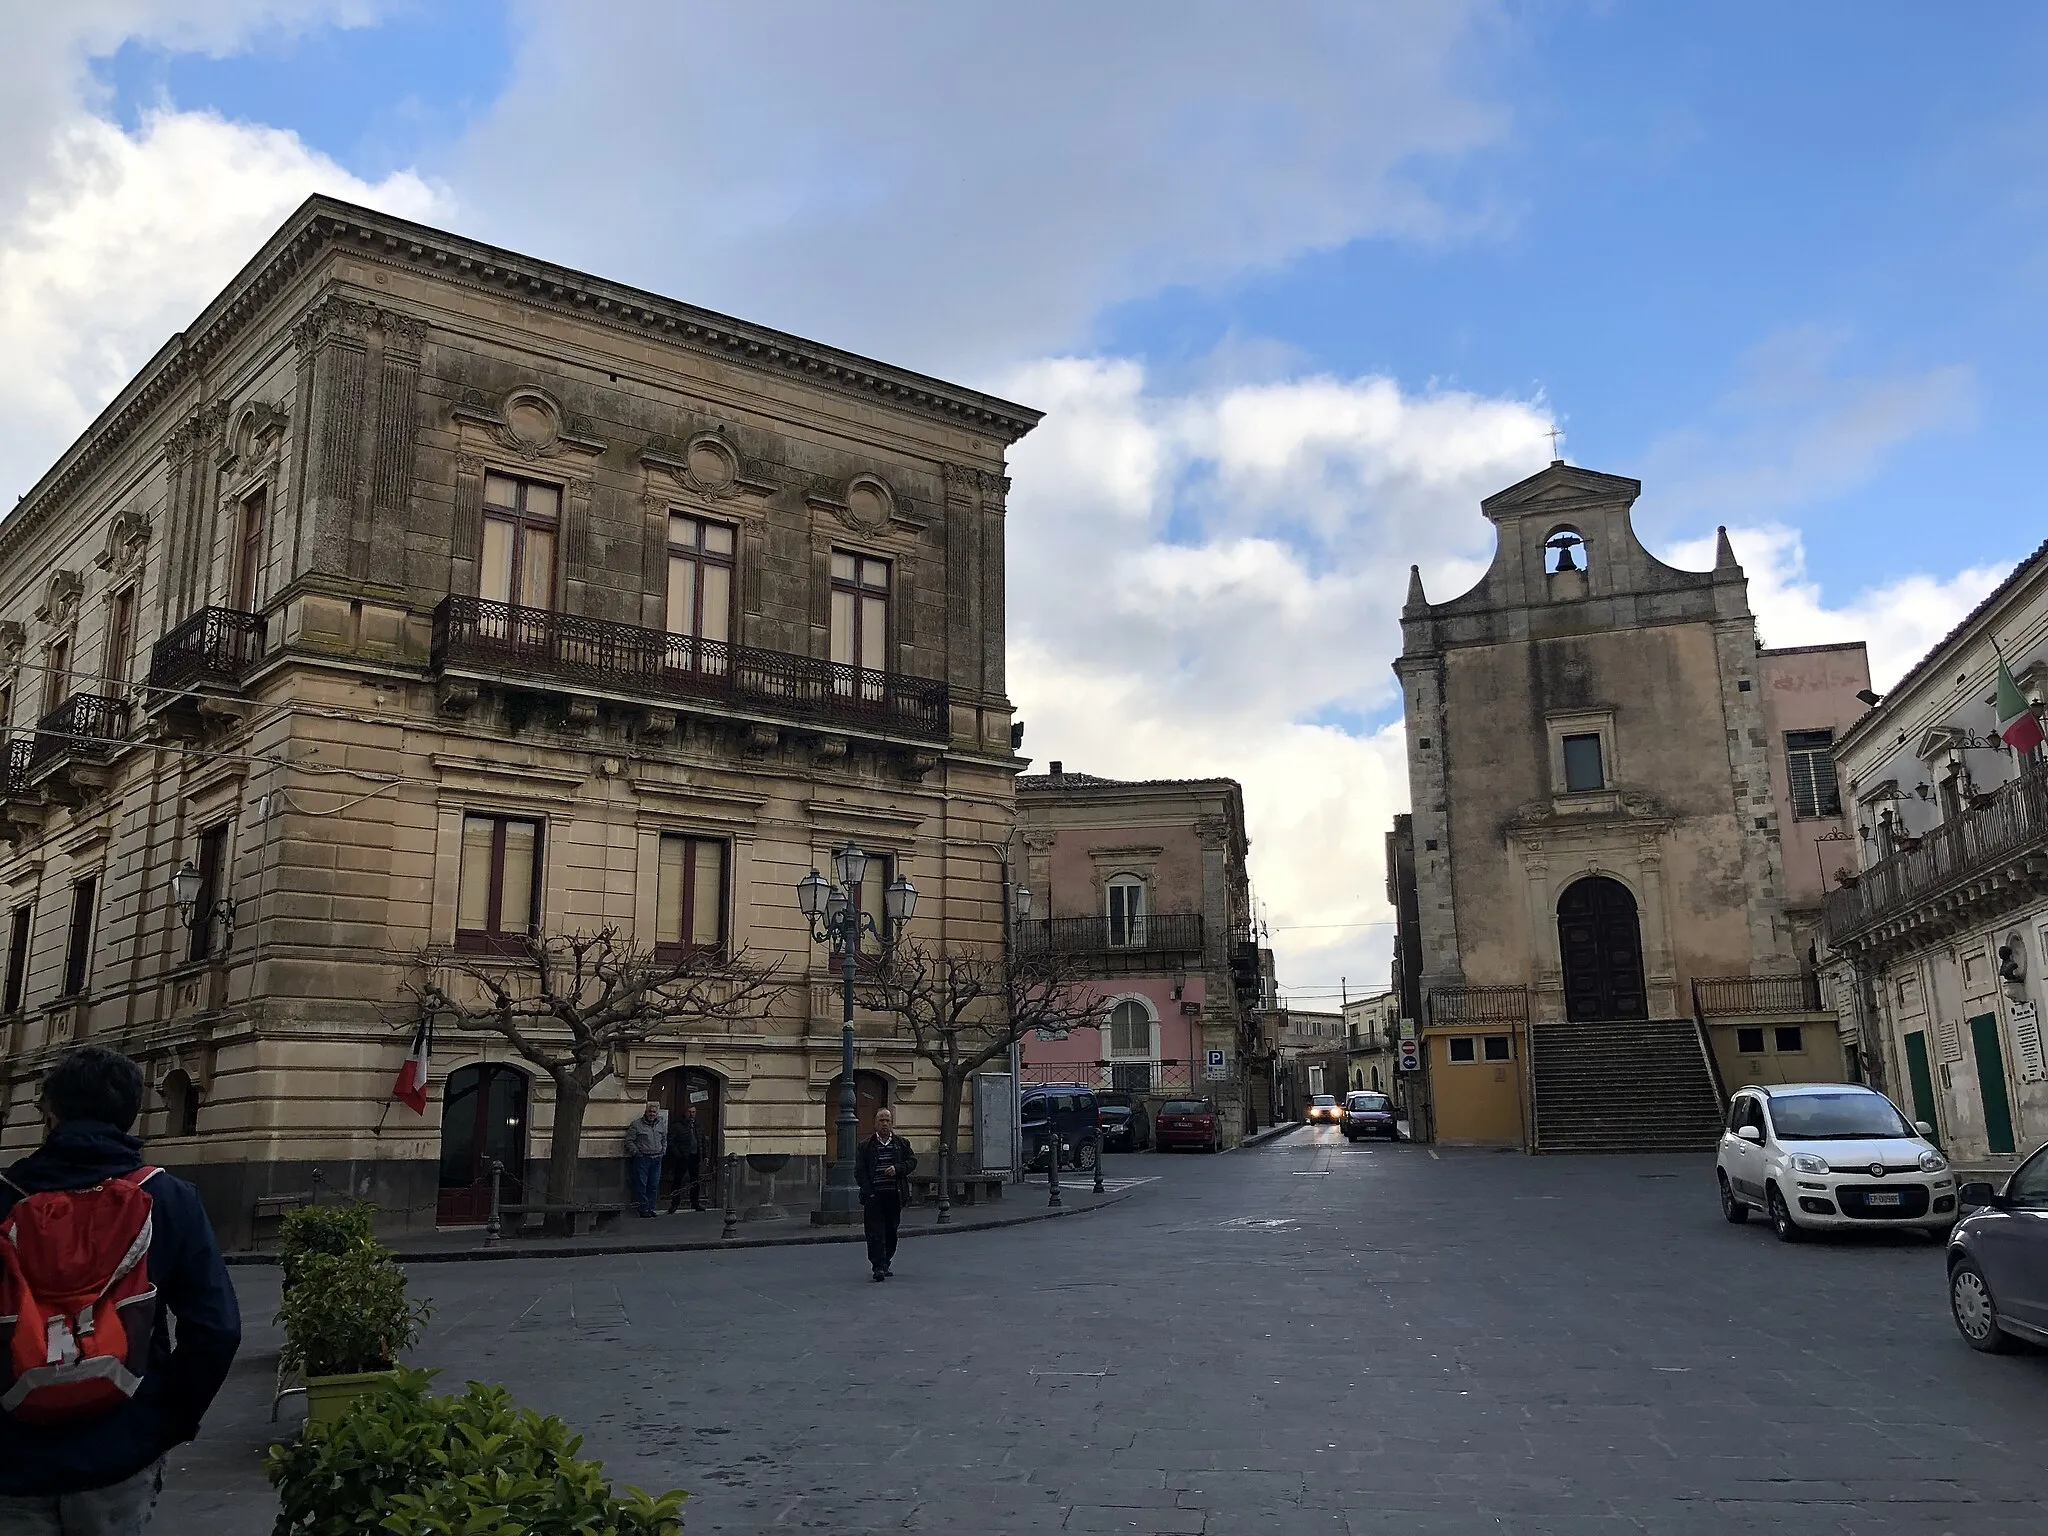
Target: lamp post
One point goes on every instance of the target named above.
(833, 911)
(1017, 902)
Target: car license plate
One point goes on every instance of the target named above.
(1889, 1197)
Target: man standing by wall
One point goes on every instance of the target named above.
(101, 1474)
(883, 1167)
(686, 1156)
(646, 1145)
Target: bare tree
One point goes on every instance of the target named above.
(963, 1007)
(569, 1002)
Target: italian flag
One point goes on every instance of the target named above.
(411, 1087)
(2018, 726)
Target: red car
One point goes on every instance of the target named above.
(1187, 1123)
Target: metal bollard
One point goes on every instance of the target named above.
(491, 1228)
(1100, 1144)
(945, 1186)
(1052, 1167)
(732, 1167)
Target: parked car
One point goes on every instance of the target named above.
(1998, 1260)
(1126, 1126)
(1065, 1109)
(1369, 1114)
(1188, 1123)
(1815, 1156)
(1323, 1109)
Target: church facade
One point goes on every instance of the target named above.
(1603, 929)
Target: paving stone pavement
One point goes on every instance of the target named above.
(1304, 1337)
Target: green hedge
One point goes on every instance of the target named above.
(405, 1463)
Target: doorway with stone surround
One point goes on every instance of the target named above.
(1600, 943)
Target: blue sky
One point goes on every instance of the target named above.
(1297, 285)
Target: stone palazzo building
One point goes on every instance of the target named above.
(1606, 772)
(420, 594)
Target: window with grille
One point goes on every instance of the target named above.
(1130, 1030)
(1810, 765)
(690, 896)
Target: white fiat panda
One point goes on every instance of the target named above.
(1813, 1156)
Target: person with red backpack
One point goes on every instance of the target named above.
(98, 1253)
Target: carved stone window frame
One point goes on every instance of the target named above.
(229, 509)
(528, 436)
(1584, 722)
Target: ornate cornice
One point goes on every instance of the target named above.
(323, 223)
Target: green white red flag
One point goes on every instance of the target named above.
(2018, 726)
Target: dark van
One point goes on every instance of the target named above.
(1069, 1109)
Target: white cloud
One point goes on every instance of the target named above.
(1900, 620)
(959, 186)
(1199, 582)
(111, 240)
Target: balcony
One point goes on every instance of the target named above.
(1479, 1005)
(1979, 863)
(537, 646)
(86, 729)
(1733, 997)
(216, 647)
(19, 749)
(1124, 946)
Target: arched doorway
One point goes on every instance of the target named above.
(1601, 944)
(693, 1085)
(483, 1117)
(870, 1093)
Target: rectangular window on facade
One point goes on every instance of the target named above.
(78, 944)
(1749, 1041)
(1582, 766)
(17, 957)
(56, 674)
(522, 519)
(248, 572)
(498, 902)
(1810, 766)
(1127, 912)
(1790, 1037)
(689, 896)
(1464, 1047)
(1498, 1048)
(868, 897)
(120, 641)
(860, 611)
(207, 935)
(700, 557)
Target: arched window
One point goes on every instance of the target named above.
(1133, 1046)
(1126, 912)
(1564, 550)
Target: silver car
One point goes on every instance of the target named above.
(1998, 1260)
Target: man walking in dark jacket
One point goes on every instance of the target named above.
(882, 1167)
(685, 1157)
(100, 1476)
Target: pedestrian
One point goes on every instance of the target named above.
(646, 1146)
(883, 1167)
(82, 1439)
(685, 1155)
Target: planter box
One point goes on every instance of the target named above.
(329, 1397)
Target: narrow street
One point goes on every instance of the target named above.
(1306, 1337)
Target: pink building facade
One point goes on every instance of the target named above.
(1144, 885)
(1810, 699)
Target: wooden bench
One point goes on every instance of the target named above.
(968, 1189)
(579, 1218)
(275, 1208)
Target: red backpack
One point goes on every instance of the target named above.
(76, 1306)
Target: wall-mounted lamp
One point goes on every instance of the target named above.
(186, 882)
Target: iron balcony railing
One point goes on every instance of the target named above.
(214, 645)
(1163, 933)
(89, 726)
(475, 635)
(2011, 824)
(1168, 1078)
(1478, 1005)
(20, 747)
(1722, 997)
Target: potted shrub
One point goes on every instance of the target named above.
(410, 1464)
(346, 1318)
(333, 1229)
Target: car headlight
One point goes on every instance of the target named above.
(1806, 1162)
(1933, 1162)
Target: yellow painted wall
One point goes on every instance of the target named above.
(1819, 1061)
(1478, 1103)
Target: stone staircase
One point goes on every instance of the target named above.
(1638, 1086)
